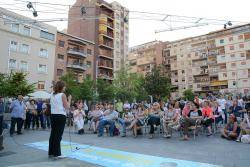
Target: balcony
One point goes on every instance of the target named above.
(108, 45)
(107, 35)
(218, 83)
(77, 52)
(77, 66)
(107, 15)
(105, 65)
(105, 76)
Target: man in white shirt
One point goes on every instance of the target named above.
(222, 103)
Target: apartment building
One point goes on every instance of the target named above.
(215, 62)
(143, 58)
(27, 46)
(73, 54)
(95, 21)
(121, 35)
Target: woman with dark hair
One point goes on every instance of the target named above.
(208, 117)
(59, 105)
(231, 129)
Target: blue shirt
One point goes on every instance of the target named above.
(235, 110)
(17, 109)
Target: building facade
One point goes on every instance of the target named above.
(29, 47)
(215, 62)
(74, 55)
(143, 58)
(121, 35)
(99, 27)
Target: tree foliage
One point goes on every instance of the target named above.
(157, 83)
(188, 94)
(129, 86)
(106, 91)
(14, 84)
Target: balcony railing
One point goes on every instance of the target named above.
(105, 65)
(218, 83)
(78, 52)
(105, 76)
(78, 66)
(107, 45)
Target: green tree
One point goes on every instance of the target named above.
(106, 91)
(15, 84)
(157, 83)
(188, 94)
(72, 86)
(87, 89)
(129, 86)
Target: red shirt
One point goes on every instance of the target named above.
(207, 112)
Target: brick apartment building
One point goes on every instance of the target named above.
(99, 27)
(73, 54)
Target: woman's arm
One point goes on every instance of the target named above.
(66, 102)
(235, 127)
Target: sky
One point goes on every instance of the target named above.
(142, 31)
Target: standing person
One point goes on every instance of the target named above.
(17, 109)
(47, 113)
(85, 107)
(222, 103)
(236, 109)
(40, 108)
(1, 123)
(197, 101)
(31, 115)
(59, 104)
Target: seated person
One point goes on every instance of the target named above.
(245, 126)
(138, 120)
(95, 116)
(78, 118)
(208, 117)
(109, 118)
(125, 120)
(230, 131)
(154, 118)
(236, 109)
(169, 120)
(191, 117)
(218, 113)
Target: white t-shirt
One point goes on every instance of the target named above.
(222, 103)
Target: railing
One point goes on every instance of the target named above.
(76, 51)
(77, 66)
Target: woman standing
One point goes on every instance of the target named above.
(59, 105)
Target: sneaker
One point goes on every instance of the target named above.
(165, 135)
(151, 136)
(168, 136)
(60, 157)
(99, 135)
(238, 140)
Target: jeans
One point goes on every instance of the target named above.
(153, 121)
(103, 123)
(123, 124)
(225, 113)
(1, 124)
(57, 127)
(14, 121)
(47, 121)
(28, 120)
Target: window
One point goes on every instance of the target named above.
(89, 51)
(231, 47)
(88, 63)
(230, 39)
(13, 46)
(47, 35)
(224, 74)
(42, 68)
(24, 48)
(243, 63)
(12, 63)
(240, 37)
(15, 27)
(26, 30)
(232, 55)
(118, 64)
(233, 64)
(59, 72)
(241, 45)
(41, 85)
(234, 83)
(242, 54)
(59, 56)
(61, 43)
(221, 41)
(43, 53)
(233, 74)
(117, 25)
(23, 66)
(183, 71)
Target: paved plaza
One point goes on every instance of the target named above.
(212, 150)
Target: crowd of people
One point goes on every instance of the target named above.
(210, 112)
